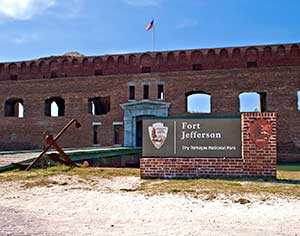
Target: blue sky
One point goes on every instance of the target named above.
(36, 28)
(40, 28)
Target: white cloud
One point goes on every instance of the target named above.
(24, 9)
(143, 3)
(187, 23)
(69, 9)
(25, 38)
(20, 40)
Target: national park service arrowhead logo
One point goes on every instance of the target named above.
(260, 132)
(158, 134)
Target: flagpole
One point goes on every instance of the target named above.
(153, 36)
(151, 26)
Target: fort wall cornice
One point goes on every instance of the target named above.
(239, 73)
(164, 61)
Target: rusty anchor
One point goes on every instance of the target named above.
(52, 142)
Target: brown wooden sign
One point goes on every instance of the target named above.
(190, 137)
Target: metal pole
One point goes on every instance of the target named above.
(153, 36)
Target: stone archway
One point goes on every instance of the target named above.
(135, 109)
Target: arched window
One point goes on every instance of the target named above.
(14, 107)
(298, 100)
(33, 67)
(294, 50)
(54, 109)
(110, 63)
(281, 51)
(75, 62)
(160, 90)
(252, 102)
(236, 54)
(99, 105)
(131, 92)
(159, 59)
(98, 65)
(65, 63)
(85, 62)
(55, 106)
(182, 57)
(21, 110)
(171, 59)
(23, 66)
(198, 102)
(42, 66)
(132, 60)
(267, 53)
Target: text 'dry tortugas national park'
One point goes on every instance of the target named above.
(225, 146)
(198, 95)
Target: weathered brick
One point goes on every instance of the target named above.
(223, 78)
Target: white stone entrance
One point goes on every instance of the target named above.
(135, 109)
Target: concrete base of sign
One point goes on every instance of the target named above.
(259, 155)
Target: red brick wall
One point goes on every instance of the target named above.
(255, 162)
(183, 60)
(224, 76)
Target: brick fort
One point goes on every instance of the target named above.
(111, 94)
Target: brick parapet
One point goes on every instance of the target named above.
(255, 161)
(167, 61)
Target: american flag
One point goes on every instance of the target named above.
(150, 25)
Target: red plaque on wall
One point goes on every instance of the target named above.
(260, 132)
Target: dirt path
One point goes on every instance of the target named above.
(75, 210)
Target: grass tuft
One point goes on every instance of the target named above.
(242, 201)
(42, 177)
(286, 184)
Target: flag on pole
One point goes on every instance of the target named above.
(150, 25)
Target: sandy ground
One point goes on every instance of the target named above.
(73, 208)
